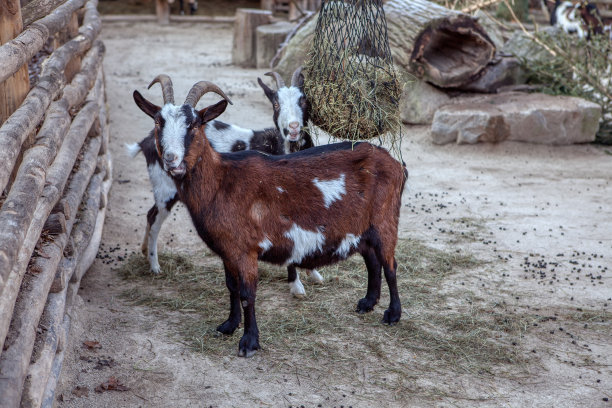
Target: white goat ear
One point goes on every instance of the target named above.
(145, 106)
(213, 111)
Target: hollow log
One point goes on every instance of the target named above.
(244, 43)
(21, 123)
(441, 46)
(17, 352)
(14, 89)
(19, 51)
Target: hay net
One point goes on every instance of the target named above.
(350, 80)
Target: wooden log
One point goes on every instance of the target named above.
(46, 347)
(14, 89)
(62, 207)
(162, 11)
(17, 353)
(26, 118)
(19, 51)
(56, 369)
(56, 224)
(441, 46)
(37, 9)
(267, 5)
(244, 51)
(269, 37)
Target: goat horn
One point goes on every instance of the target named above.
(201, 88)
(166, 84)
(296, 76)
(279, 81)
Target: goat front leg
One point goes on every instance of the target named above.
(370, 300)
(155, 218)
(231, 281)
(249, 343)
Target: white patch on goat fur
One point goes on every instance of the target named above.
(223, 140)
(265, 244)
(332, 190)
(163, 186)
(290, 111)
(305, 243)
(174, 130)
(350, 241)
(281, 190)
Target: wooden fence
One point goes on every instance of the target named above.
(55, 174)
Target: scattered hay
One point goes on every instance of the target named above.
(469, 336)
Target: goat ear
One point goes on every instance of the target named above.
(211, 112)
(269, 92)
(145, 106)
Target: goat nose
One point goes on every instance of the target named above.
(294, 125)
(169, 157)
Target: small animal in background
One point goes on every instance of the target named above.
(582, 18)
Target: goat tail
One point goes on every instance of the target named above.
(133, 149)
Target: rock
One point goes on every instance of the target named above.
(525, 49)
(420, 101)
(501, 72)
(269, 37)
(534, 118)
(491, 27)
(295, 53)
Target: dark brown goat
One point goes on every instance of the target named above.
(310, 209)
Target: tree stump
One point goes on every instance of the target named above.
(441, 46)
(14, 90)
(268, 38)
(244, 52)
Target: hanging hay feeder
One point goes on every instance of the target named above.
(350, 79)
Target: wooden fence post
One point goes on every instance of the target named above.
(244, 51)
(14, 90)
(162, 9)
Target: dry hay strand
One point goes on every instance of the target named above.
(446, 330)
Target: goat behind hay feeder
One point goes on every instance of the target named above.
(323, 205)
(350, 79)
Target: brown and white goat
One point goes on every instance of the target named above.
(224, 138)
(310, 209)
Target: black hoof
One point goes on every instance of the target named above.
(248, 345)
(228, 327)
(391, 317)
(365, 305)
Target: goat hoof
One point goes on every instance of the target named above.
(227, 327)
(297, 289)
(314, 276)
(155, 269)
(391, 317)
(365, 305)
(248, 346)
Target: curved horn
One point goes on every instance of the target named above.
(296, 76)
(279, 81)
(167, 89)
(201, 88)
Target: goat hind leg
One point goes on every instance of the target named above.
(249, 343)
(295, 285)
(370, 300)
(394, 312)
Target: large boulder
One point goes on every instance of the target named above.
(535, 118)
(420, 101)
(295, 52)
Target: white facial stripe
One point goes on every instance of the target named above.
(305, 243)
(265, 244)
(332, 190)
(290, 111)
(163, 186)
(350, 241)
(223, 140)
(174, 130)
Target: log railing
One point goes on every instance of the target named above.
(55, 175)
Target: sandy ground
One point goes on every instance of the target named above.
(534, 203)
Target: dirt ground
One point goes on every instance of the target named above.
(541, 222)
